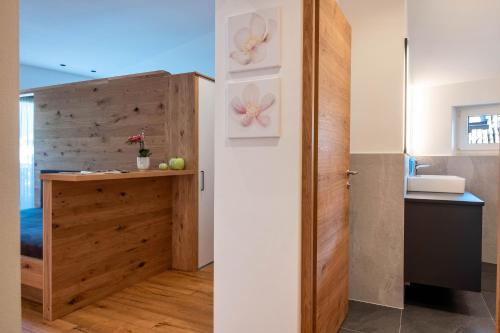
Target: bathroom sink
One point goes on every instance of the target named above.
(436, 183)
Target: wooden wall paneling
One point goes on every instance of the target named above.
(326, 108)
(181, 133)
(102, 236)
(32, 272)
(32, 294)
(181, 119)
(95, 81)
(83, 126)
(47, 250)
(185, 224)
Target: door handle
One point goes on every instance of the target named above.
(202, 180)
(350, 173)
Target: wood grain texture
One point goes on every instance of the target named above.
(32, 272)
(181, 132)
(94, 81)
(334, 98)
(171, 302)
(47, 249)
(325, 200)
(102, 236)
(32, 294)
(185, 223)
(181, 119)
(78, 177)
(84, 125)
(309, 162)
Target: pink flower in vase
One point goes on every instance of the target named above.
(143, 152)
(135, 138)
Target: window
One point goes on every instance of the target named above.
(26, 152)
(478, 127)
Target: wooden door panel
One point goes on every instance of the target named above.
(325, 203)
(333, 162)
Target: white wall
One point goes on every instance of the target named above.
(257, 197)
(451, 40)
(452, 63)
(377, 109)
(10, 293)
(33, 77)
(431, 114)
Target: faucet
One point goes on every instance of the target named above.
(417, 166)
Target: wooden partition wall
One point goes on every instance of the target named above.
(84, 125)
(100, 236)
(103, 233)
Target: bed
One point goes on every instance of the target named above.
(32, 233)
(32, 249)
(32, 253)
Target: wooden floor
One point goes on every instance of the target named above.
(172, 302)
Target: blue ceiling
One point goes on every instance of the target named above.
(117, 37)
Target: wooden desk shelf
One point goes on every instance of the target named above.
(104, 232)
(79, 177)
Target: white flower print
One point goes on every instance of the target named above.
(252, 41)
(252, 107)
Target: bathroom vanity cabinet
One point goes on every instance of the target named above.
(443, 235)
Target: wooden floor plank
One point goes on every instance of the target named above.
(171, 302)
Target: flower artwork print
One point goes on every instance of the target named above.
(254, 40)
(254, 109)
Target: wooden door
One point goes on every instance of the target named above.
(325, 201)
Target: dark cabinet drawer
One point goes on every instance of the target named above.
(443, 244)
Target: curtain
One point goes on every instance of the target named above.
(26, 152)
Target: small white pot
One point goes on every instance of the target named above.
(143, 163)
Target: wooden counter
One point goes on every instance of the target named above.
(104, 232)
(79, 177)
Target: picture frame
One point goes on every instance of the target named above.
(254, 40)
(254, 108)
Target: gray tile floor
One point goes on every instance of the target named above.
(430, 310)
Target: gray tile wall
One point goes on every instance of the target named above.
(376, 222)
(481, 174)
(377, 218)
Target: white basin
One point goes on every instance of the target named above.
(436, 183)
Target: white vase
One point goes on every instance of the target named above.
(143, 163)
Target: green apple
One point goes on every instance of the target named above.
(176, 163)
(163, 166)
